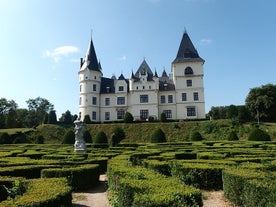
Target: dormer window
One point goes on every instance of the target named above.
(189, 71)
(121, 88)
(107, 89)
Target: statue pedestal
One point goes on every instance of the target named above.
(80, 147)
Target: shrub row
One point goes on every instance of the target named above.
(50, 192)
(81, 177)
(246, 187)
(200, 175)
(137, 186)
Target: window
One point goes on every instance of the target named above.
(121, 100)
(143, 87)
(107, 116)
(120, 114)
(195, 96)
(80, 101)
(144, 114)
(144, 98)
(189, 83)
(170, 98)
(163, 99)
(136, 87)
(184, 96)
(94, 115)
(168, 113)
(191, 111)
(121, 88)
(95, 77)
(107, 101)
(80, 87)
(149, 87)
(94, 87)
(94, 100)
(189, 71)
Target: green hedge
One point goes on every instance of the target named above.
(159, 166)
(137, 186)
(250, 187)
(50, 192)
(79, 178)
(200, 175)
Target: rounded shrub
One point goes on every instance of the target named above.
(233, 136)
(4, 138)
(128, 118)
(117, 136)
(258, 135)
(196, 136)
(39, 139)
(87, 137)
(163, 117)
(87, 119)
(100, 138)
(69, 137)
(158, 136)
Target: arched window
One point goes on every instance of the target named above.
(189, 71)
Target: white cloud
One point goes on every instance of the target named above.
(205, 42)
(61, 52)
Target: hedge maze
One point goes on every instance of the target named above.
(148, 175)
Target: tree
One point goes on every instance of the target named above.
(158, 136)
(87, 136)
(258, 135)
(5, 107)
(66, 118)
(11, 119)
(52, 117)
(233, 136)
(232, 112)
(128, 118)
(261, 102)
(38, 108)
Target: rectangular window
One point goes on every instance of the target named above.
(163, 99)
(94, 115)
(170, 98)
(80, 87)
(120, 100)
(191, 111)
(189, 83)
(144, 114)
(168, 113)
(184, 96)
(94, 100)
(107, 116)
(120, 114)
(195, 96)
(107, 101)
(94, 87)
(80, 101)
(144, 98)
(121, 88)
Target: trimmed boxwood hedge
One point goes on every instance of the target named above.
(250, 187)
(81, 177)
(137, 186)
(44, 192)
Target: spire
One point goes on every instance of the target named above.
(155, 74)
(187, 51)
(143, 69)
(91, 57)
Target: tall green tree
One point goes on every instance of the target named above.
(52, 117)
(11, 119)
(38, 109)
(66, 118)
(261, 102)
(5, 107)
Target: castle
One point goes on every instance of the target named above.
(179, 95)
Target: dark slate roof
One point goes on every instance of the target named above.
(121, 77)
(105, 83)
(143, 69)
(187, 51)
(91, 58)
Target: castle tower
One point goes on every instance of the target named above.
(90, 75)
(187, 73)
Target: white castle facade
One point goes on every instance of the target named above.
(179, 96)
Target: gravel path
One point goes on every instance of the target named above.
(214, 199)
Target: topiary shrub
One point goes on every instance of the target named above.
(258, 135)
(19, 138)
(163, 117)
(39, 139)
(69, 137)
(87, 137)
(151, 119)
(158, 136)
(87, 119)
(233, 136)
(117, 136)
(128, 118)
(100, 140)
(4, 138)
(196, 136)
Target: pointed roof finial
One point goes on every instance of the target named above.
(91, 31)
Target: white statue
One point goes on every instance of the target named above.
(79, 141)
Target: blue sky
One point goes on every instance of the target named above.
(41, 43)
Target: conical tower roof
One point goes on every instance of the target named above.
(187, 51)
(91, 58)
